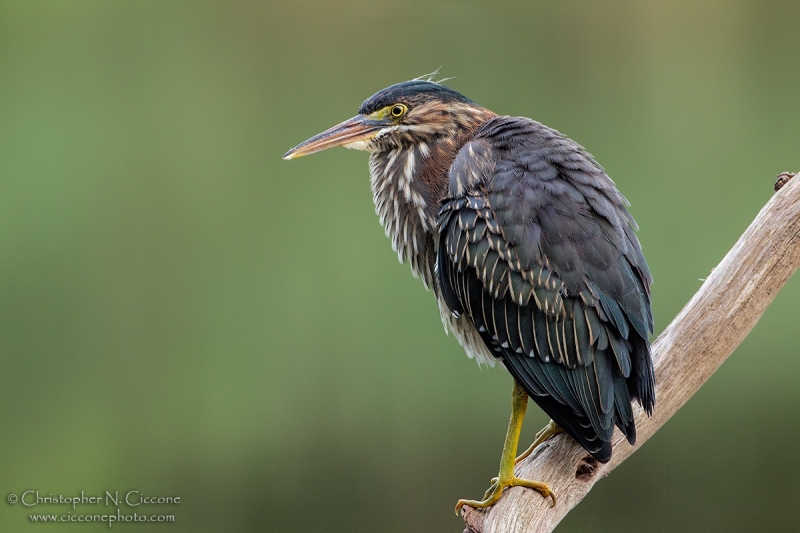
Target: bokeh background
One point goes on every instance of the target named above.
(184, 313)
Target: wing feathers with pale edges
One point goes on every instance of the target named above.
(538, 249)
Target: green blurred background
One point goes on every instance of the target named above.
(184, 313)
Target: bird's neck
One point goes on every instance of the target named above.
(408, 185)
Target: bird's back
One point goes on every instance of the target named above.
(537, 252)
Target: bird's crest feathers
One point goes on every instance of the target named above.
(431, 77)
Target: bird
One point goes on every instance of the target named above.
(529, 249)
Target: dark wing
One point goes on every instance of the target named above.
(538, 249)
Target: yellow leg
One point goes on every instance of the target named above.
(544, 434)
(506, 477)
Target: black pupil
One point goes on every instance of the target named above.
(397, 111)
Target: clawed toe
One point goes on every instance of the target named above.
(498, 486)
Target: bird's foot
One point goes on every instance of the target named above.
(550, 430)
(499, 485)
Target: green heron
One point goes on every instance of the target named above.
(529, 249)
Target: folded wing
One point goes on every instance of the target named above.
(538, 249)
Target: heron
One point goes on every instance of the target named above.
(529, 249)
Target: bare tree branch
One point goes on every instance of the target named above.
(714, 322)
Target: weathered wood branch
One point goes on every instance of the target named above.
(708, 329)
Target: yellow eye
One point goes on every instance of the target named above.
(398, 110)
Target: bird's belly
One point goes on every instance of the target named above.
(466, 334)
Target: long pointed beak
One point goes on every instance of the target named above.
(356, 129)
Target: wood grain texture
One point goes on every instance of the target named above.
(708, 329)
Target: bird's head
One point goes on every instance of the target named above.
(404, 114)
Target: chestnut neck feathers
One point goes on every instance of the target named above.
(409, 175)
